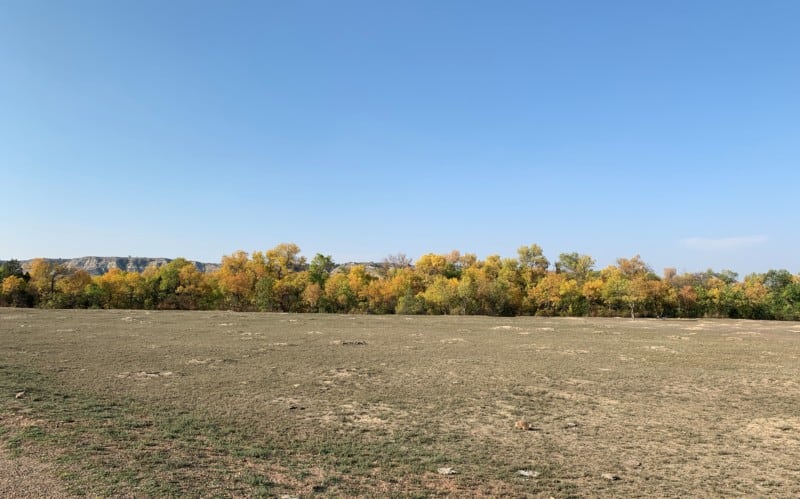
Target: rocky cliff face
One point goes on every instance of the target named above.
(99, 265)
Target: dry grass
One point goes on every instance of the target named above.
(224, 404)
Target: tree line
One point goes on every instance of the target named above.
(281, 280)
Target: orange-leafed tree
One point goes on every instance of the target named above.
(44, 275)
(236, 278)
(16, 293)
(71, 289)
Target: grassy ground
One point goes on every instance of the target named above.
(223, 404)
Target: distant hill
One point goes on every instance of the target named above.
(99, 265)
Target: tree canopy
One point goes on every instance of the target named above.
(280, 279)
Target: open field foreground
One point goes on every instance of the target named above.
(225, 404)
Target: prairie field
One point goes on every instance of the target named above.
(221, 404)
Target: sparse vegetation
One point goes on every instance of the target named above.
(158, 403)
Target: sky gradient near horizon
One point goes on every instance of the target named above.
(361, 129)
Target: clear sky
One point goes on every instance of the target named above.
(359, 129)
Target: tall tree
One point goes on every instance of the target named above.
(432, 265)
(237, 280)
(285, 258)
(397, 261)
(575, 266)
(44, 275)
(320, 269)
(533, 262)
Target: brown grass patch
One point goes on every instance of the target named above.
(176, 404)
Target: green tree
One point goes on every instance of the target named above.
(264, 297)
(632, 283)
(441, 296)
(289, 292)
(533, 263)
(776, 280)
(783, 297)
(339, 296)
(469, 290)
(575, 266)
(320, 269)
(410, 304)
(12, 268)
(791, 300)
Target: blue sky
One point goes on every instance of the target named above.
(361, 129)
